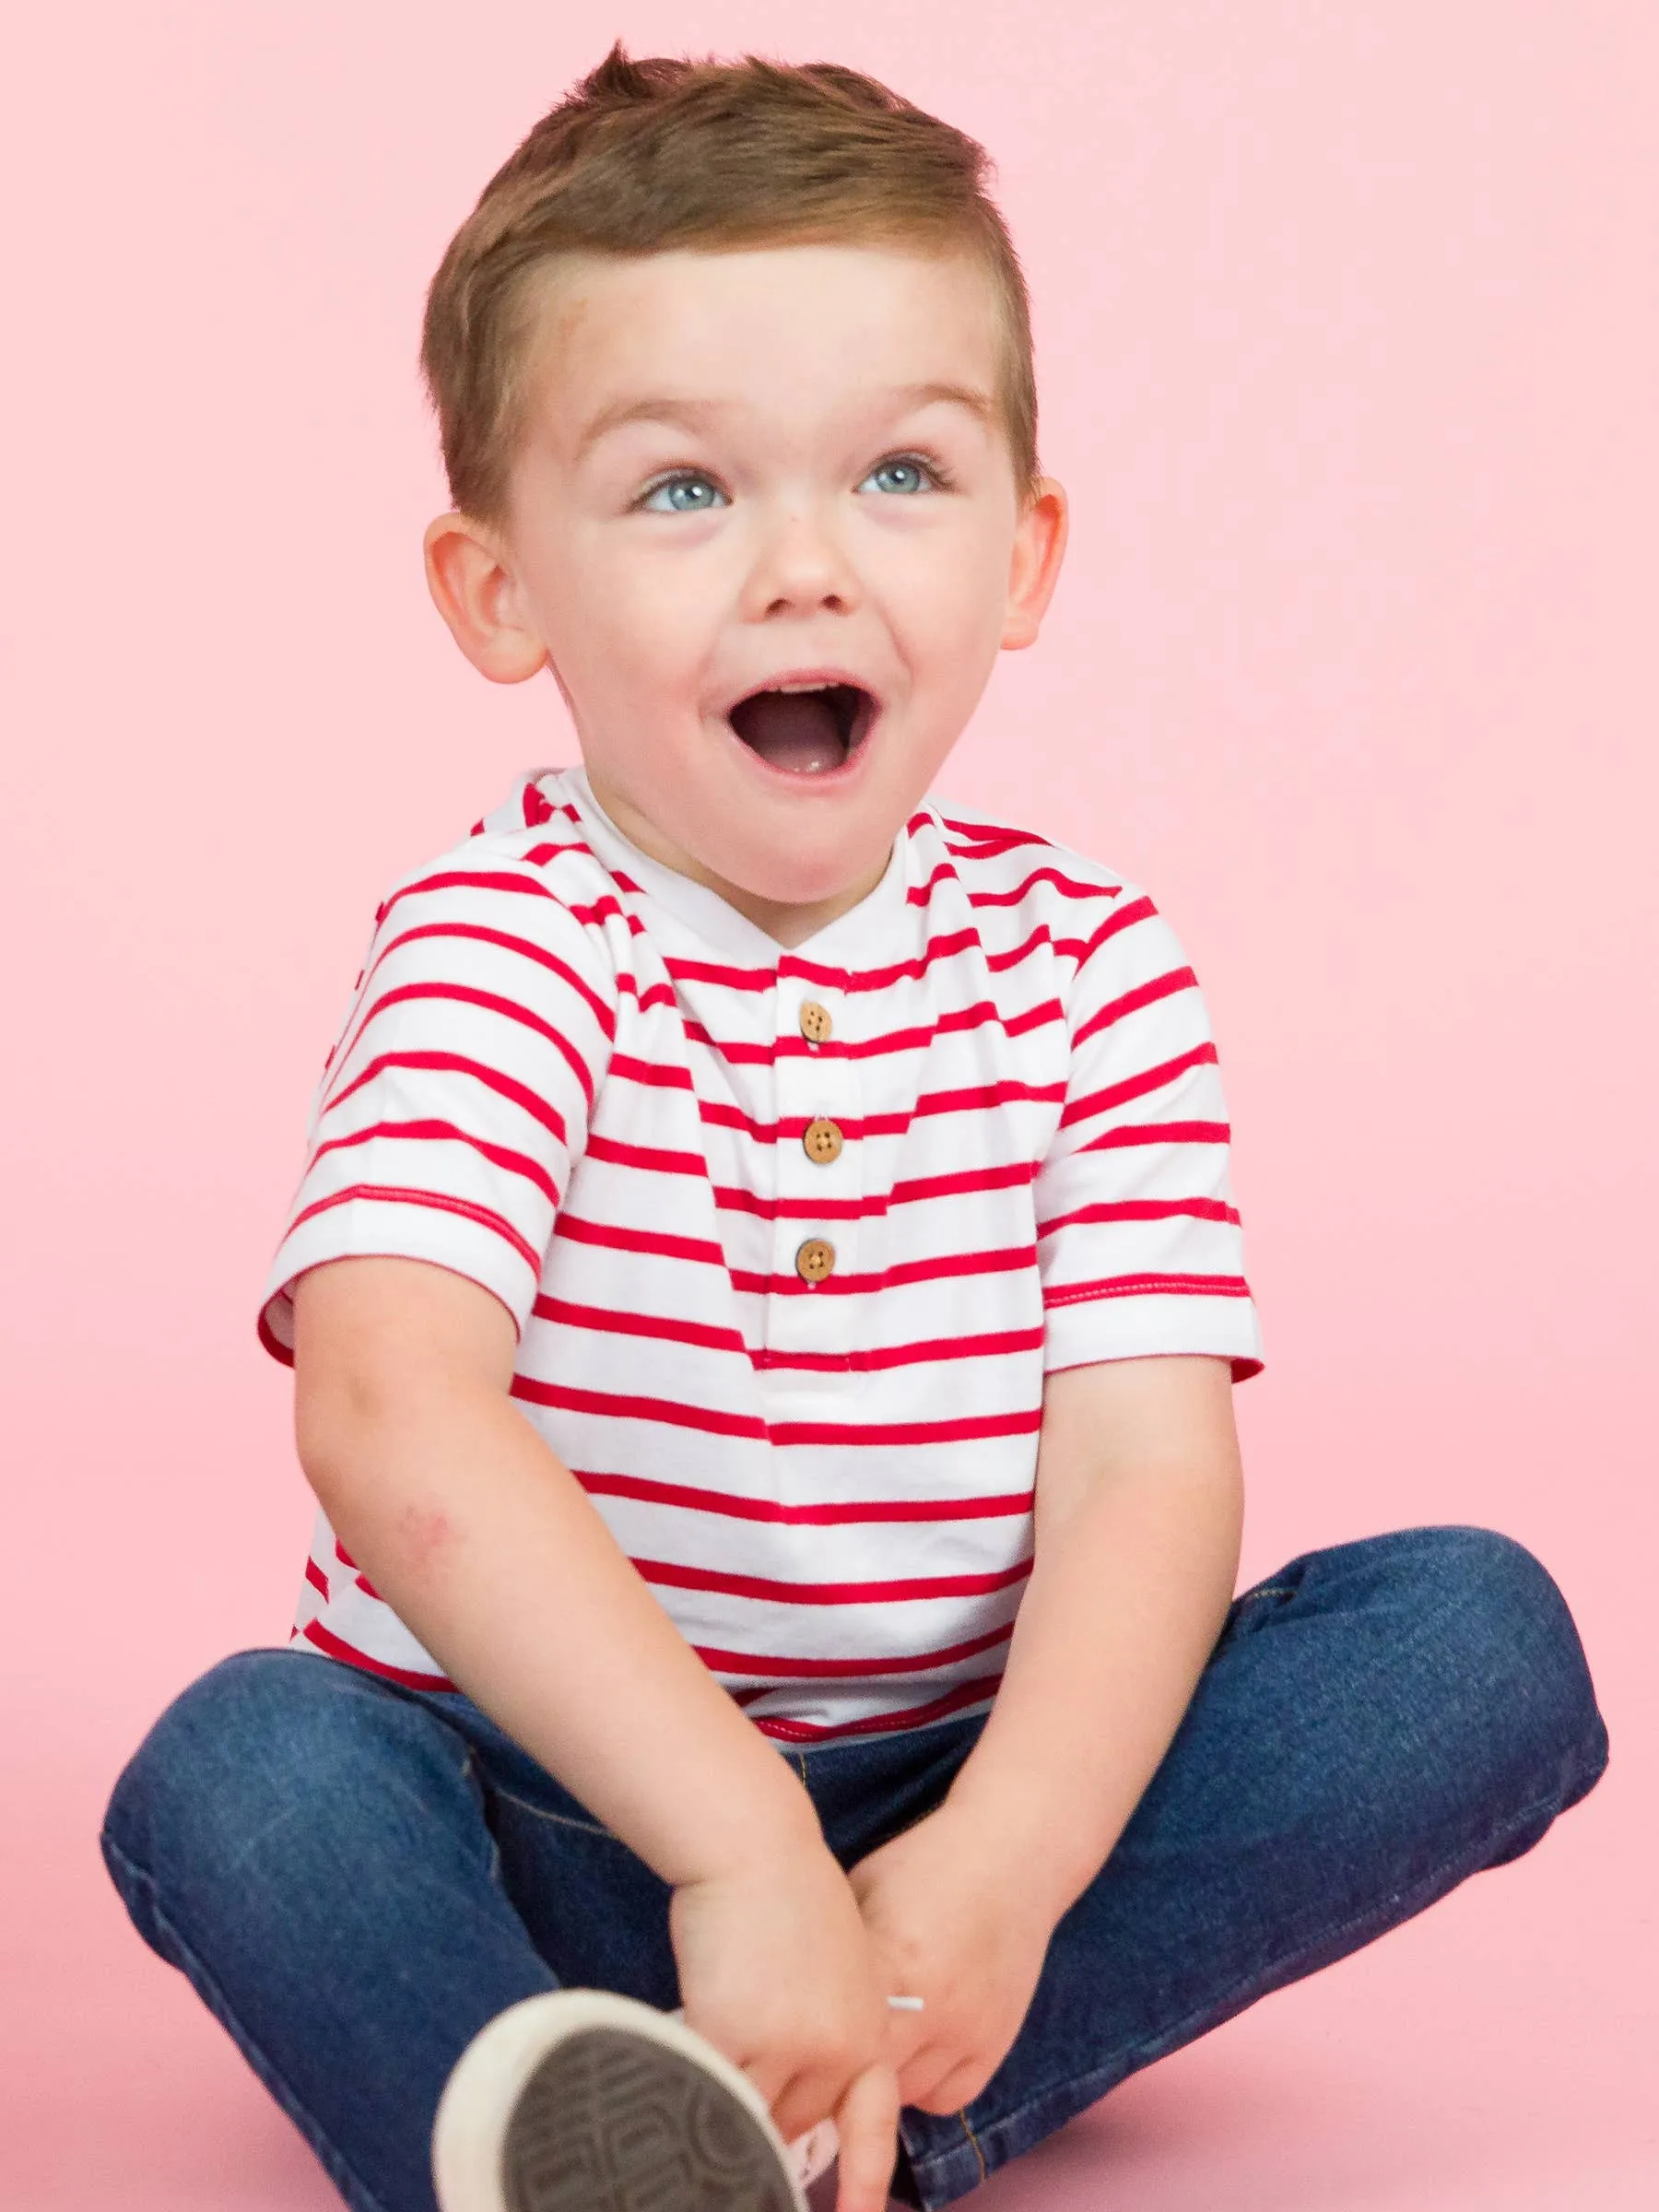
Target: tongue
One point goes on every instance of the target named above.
(795, 730)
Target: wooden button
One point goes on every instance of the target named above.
(816, 1024)
(823, 1141)
(814, 1259)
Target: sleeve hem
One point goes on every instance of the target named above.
(1088, 1332)
(375, 1230)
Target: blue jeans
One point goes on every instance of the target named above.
(356, 1877)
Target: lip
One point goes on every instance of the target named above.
(829, 780)
(804, 679)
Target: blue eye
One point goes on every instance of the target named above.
(684, 494)
(904, 473)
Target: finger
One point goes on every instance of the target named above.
(908, 2034)
(772, 2081)
(959, 2086)
(804, 2101)
(868, 2121)
(808, 2096)
(925, 2070)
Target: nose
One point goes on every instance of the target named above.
(800, 567)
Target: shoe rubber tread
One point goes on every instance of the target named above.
(611, 2121)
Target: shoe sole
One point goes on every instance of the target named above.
(583, 2101)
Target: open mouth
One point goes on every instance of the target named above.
(807, 729)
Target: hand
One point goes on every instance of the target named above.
(776, 1969)
(951, 1920)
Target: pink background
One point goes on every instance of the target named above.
(1347, 328)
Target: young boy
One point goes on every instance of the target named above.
(764, 1297)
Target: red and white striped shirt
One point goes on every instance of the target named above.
(585, 1082)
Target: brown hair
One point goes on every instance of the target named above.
(645, 156)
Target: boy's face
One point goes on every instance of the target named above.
(764, 526)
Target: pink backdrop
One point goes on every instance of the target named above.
(1347, 330)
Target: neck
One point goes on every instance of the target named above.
(788, 922)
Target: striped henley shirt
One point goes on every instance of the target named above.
(789, 1237)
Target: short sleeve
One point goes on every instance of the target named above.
(1138, 1240)
(460, 1091)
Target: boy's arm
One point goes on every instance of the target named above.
(1139, 1501)
(485, 1544)
(488, 1547)
(1138, 1516)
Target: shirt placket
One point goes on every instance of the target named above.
(816, 1243)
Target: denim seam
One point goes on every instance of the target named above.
(337, 2166)
(472, 1774)
(1172, 2039)
(539, 1812)
(978, 2154)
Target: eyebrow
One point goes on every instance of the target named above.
(697, 414)
(683, 414)
(977, 401)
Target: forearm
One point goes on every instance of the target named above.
(1131, 1586)
(488, 1547)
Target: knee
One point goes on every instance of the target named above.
(227, 1771)
(1503, 1655)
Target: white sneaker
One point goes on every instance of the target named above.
(811, 2154)
(580, 2100)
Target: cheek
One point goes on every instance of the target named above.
(625, 629)
(953, 615)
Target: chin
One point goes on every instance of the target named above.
(779, 889)
(805, 879)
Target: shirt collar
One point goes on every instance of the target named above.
(875, 928)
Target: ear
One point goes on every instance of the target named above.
(1039, 548)
(476, 591)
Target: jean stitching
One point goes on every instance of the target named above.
(472, 1775)
(588, 1828)
(978, 2154)
(1172, 2039)
(339, 2169)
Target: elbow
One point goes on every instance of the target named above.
(378, 1486)
(337, 1418)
